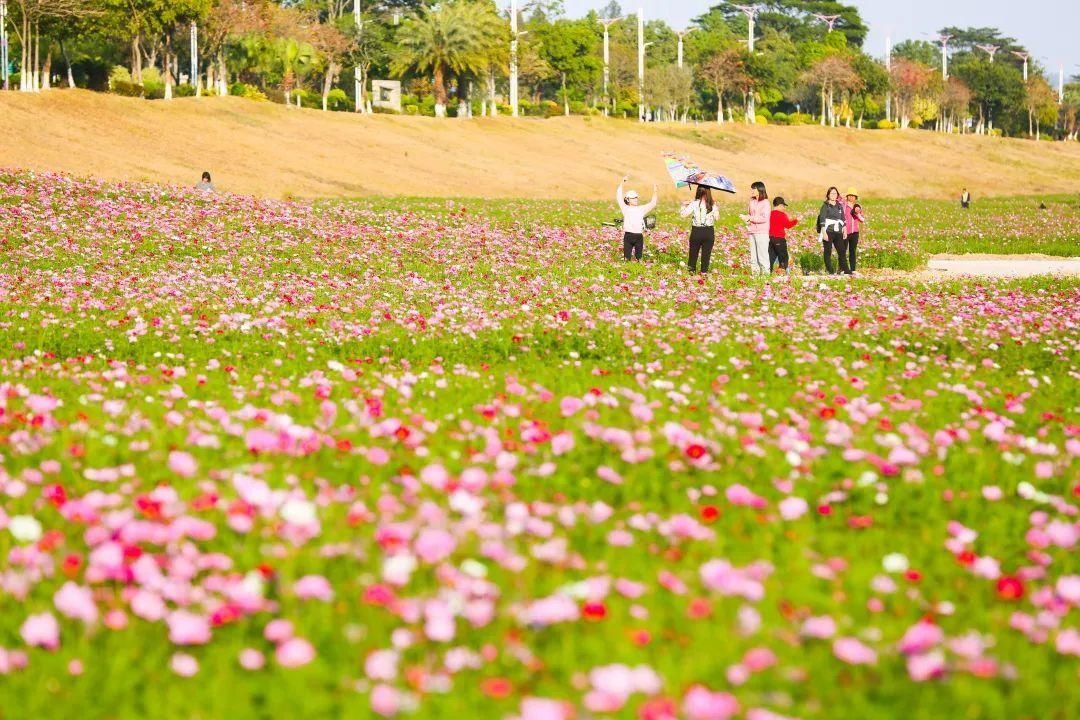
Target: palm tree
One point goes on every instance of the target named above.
(452, 38)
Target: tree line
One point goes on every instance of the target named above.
(808, 62)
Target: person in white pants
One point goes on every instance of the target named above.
(757, 225)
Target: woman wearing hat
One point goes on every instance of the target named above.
(633, 219)
(853, 220)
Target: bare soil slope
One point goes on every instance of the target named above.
(270, 150)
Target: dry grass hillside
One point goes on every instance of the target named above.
(271, 150)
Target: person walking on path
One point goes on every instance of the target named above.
(779, 224)
(853, 221)
(757, 226)
(633, 219)
(703, 213)
(205, 185)
(832, 231)
(965, 199)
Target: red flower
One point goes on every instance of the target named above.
(55, 494)
(913, 576)
(695, 451)
(709, 513)
(344, 445)
(496, 687)
(1010, 587)
(698, 608)
(71, 565)
(824, 509)
(378, 595)
(860, 522)
(641, 638)
(826, 413)
(966, 557)
(50, 540)
(594, 611)
(658, 708)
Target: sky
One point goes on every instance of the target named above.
(1047, 28)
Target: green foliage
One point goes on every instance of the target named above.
(338, 100)
(249, 92)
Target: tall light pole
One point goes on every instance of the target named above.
(196, 82)
(1023, 56)
(681, 34)
(641, 63)
(358, 71)
(4, 41)
(750, 12)
(514, 58)
(829, 20)
(944, 40)
(1061, 83)
(607, 23)
(888, 69)
(990, 50)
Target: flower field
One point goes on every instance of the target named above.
(275, 460)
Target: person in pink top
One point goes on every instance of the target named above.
(757, 226)
(853, 221)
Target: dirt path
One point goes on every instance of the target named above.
(1002, 266)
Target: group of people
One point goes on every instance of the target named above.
(839, 223)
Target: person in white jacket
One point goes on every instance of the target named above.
(633, 219)
(703, 213)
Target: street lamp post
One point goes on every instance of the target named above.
(4, 41)
(829, 20)
(641, 63)
(750, 12)
(1061, 83)
(990, 50)
(888, 69)
(944, 40)
(681, 34)
(1023, 56)
(195, 80)
(358, 71)
(513, 58)
(607, 23)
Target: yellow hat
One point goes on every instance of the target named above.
(852, 191)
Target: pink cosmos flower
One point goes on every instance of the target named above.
(920, 637)
(758, 659)
(187, 628)
(1068, 589)
(434, 545)
(793, 508)
(251, 659)
(41, 630)
(1068, 642)
(854, 652)
(381, 665)
(385, 700)
(926, 666)
(533, 708)
(182, 463)
(278, 630)
(294, 652)
(313, 587)
(700, 703)
(822, 627)
(184, 665)
(76, 602)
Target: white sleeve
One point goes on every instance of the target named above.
(687, 209)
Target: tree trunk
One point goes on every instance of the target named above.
(26, 41)
(67, 62)
(222, 74)
(167, 62)
(440, 91)
(328, 83)
(35, 75)
(46, 70)
(491, 93)
(719, 108)
(823, 105)
(565, 99)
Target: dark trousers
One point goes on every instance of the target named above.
(778, 253)
(835, 239)
(701, 241)
(852, 246)
(633, 244)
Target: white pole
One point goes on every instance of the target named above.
(195, 57)
(750, 12)
(4, 41)
(358, 73)
(607, 23)
(514, 58)
(945, 56)
(888, 68)
(1061, 83)
(680, 49)
(641, 63)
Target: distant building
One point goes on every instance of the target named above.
(386, 94)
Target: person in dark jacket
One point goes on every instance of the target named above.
(832, 231)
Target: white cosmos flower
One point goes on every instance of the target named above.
(25, 529)
(298, 512)
(895, 563)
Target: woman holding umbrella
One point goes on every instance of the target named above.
(703, 215)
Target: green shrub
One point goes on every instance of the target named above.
(578, 107)
(550, 108)
(995, 132)
(810, 262)
(184, 91)
(247, 91)
(761, 120)
(339, 100)
(119, 74)
(126, 88)
(800, 119)
(780, 118)
(412, 109)
(764, 112)
(884, 124)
